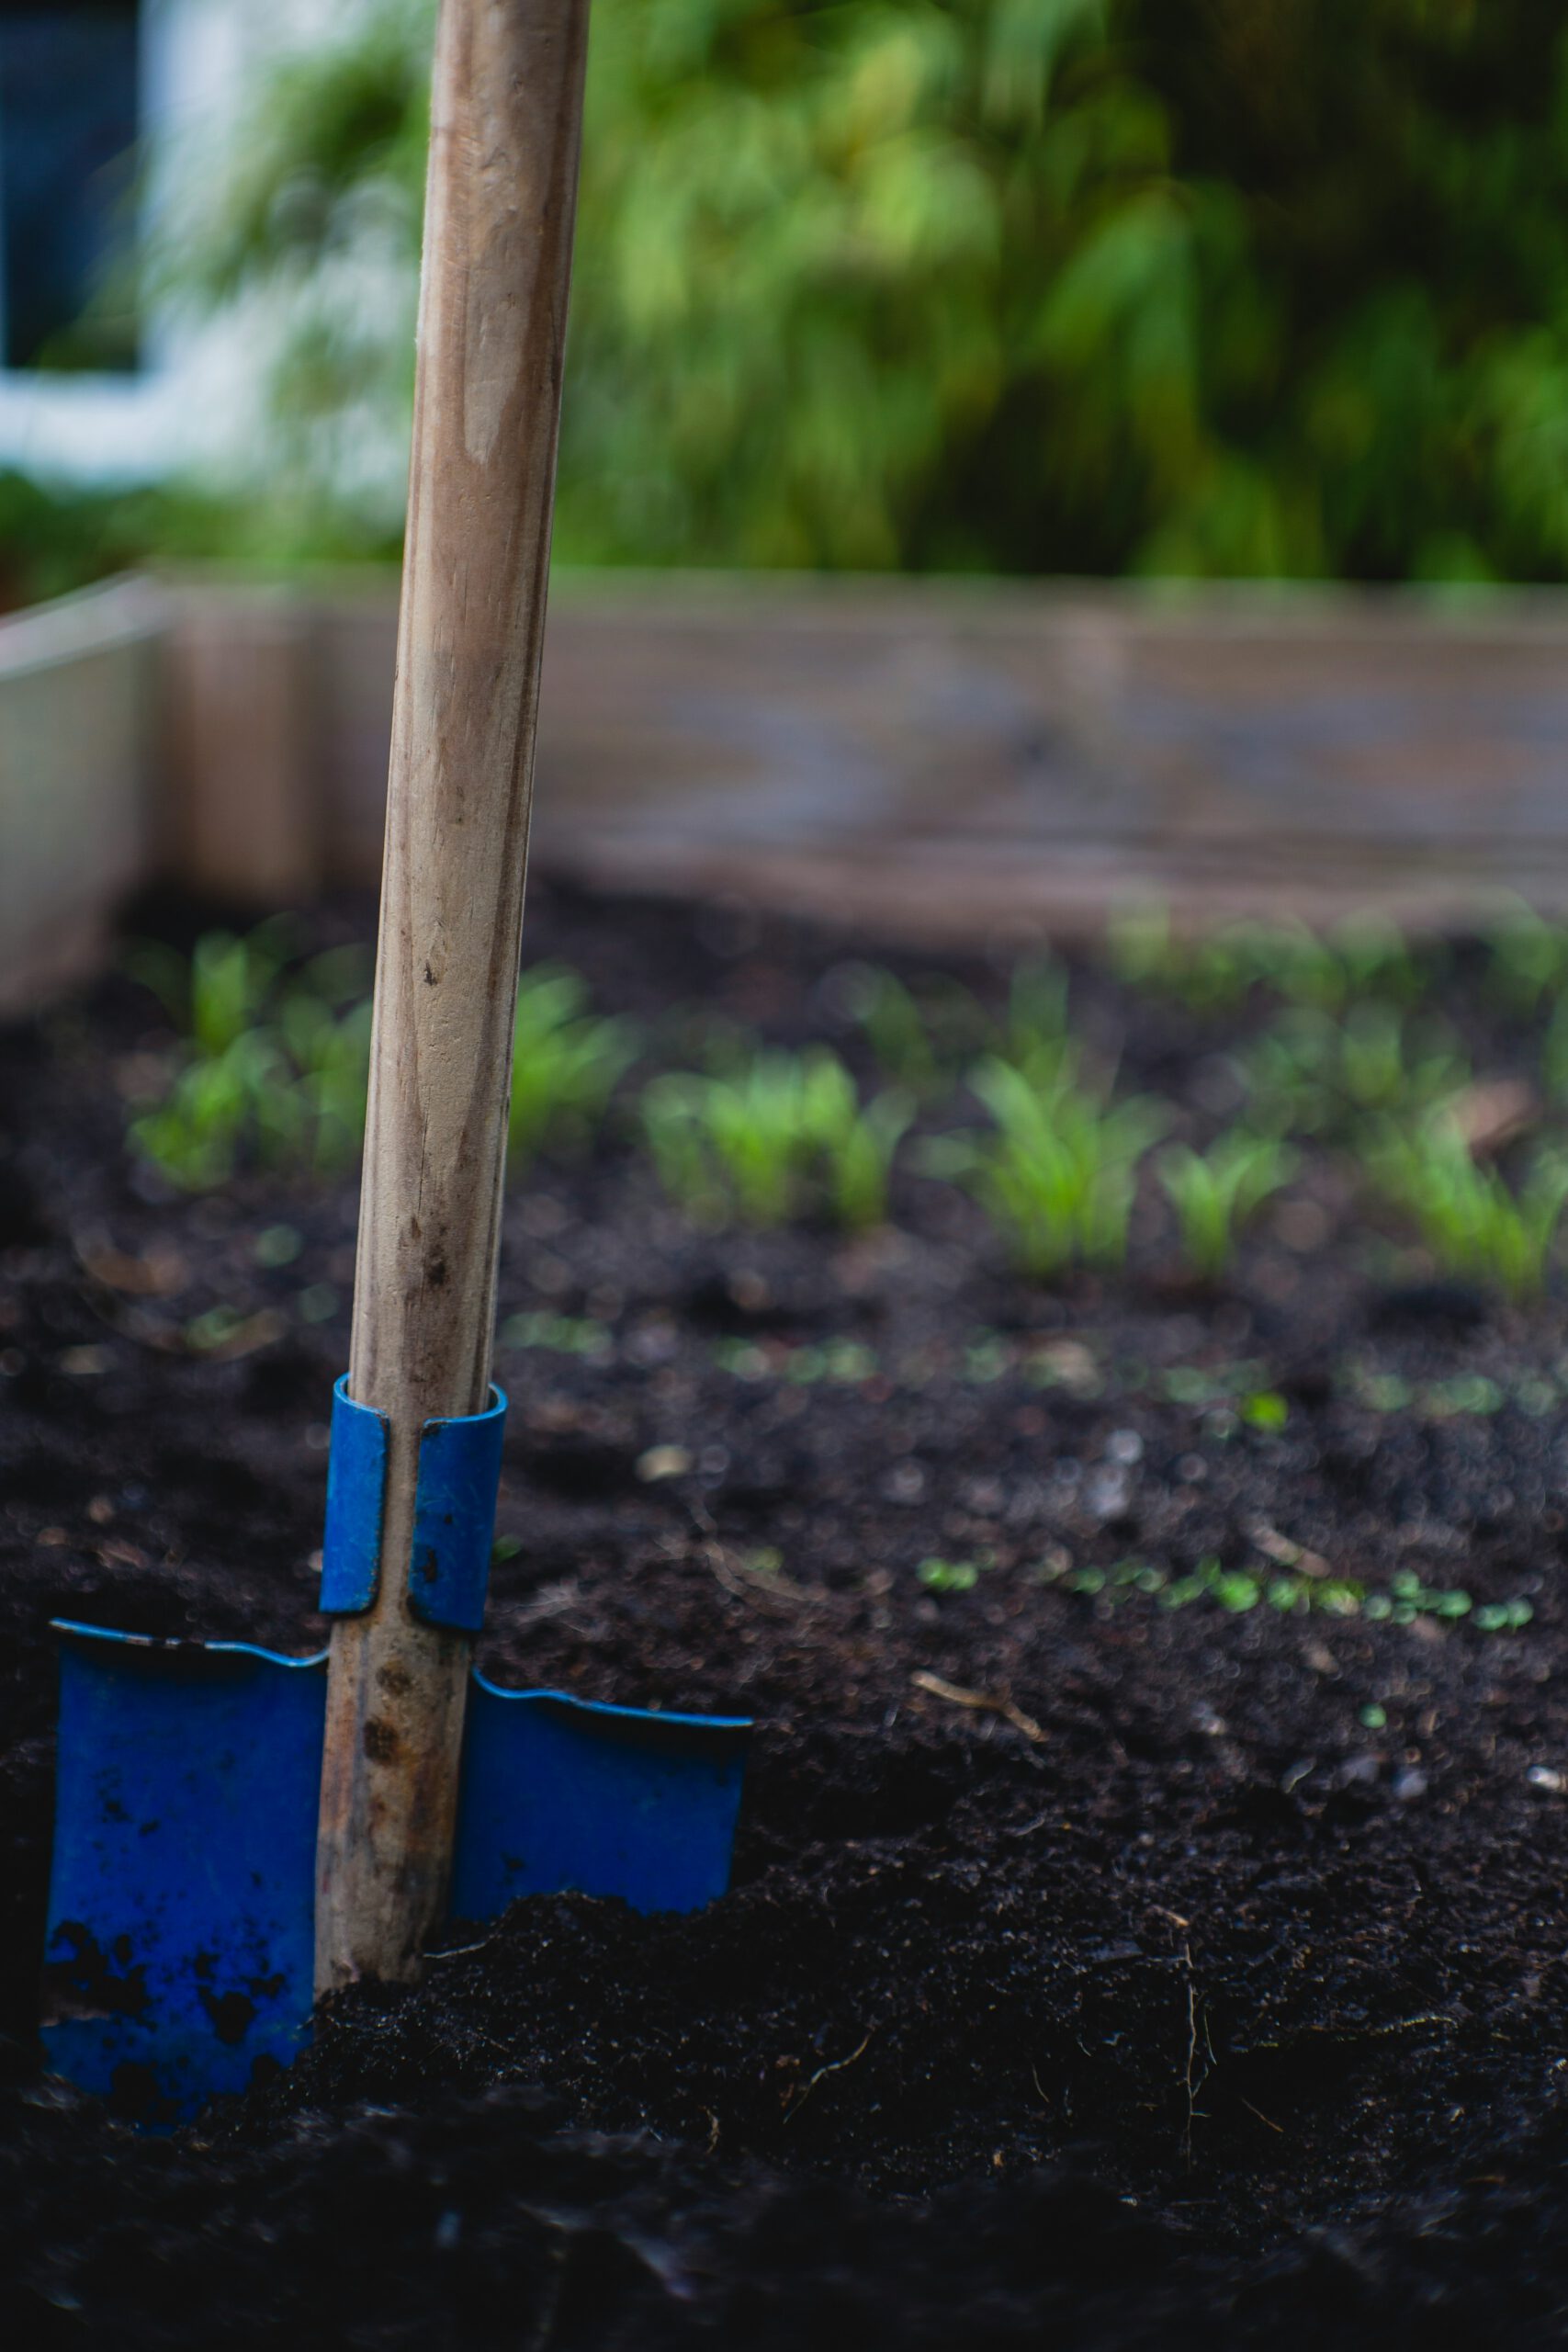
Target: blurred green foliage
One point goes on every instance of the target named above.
(1197, 287)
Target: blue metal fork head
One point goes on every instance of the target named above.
(182, 1897)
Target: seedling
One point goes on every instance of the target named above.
(269, 1072)
(1363, 958)
(1462, 1392)
(1528, 959)
(567, 1335)
(213, 1107)
(1217, 971)
(920, 1046)
(217, 996)
(1207, 975)
(1311, 1072)
(276, 1063)
(1469, 1221)
(330, 1054)
(895, 1029)
(566, 1063)
(761, 1146)
(949, 1576)
(1238, 1590)
(1058, 1174)
(1036, 1037)
(1216, 1194)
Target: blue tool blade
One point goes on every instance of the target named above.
(181, 1903)
(180, 1932)
(562, 1794)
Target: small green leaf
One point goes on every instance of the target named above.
(948, 1575)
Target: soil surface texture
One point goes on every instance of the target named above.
(1123, 1950)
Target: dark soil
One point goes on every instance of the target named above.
(1204, 1983)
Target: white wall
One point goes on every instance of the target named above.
(189, 402)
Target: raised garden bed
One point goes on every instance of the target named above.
(1148, 1922)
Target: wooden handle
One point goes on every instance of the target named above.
(505, 125)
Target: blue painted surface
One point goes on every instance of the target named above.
(181, 1901)
(454, 1517)
(560, 1794)
(454, 1512)
(357, 1493)
(180, 1913)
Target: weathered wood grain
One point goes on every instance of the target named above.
(504, 135)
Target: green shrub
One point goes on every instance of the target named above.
(1026, 285)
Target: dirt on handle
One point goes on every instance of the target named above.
(1096, 1969)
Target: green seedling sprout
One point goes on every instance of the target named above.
(1293, 1593)
(1207, 975)
(1216, 1194)
(948, 1575)
(1036, 1037)
(859, 1154)
(1312, 1071)
(922, 1040)
(1468, 1219)
(219, 994)
(763, 1146)
(1216, 972)
(895, 1029)
(1059, 1172)
(275, 1062)
(1362, 957)
(330, 1056)
(214, 1106)
(1527, 959)
(566, 1063)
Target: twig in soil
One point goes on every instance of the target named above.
(772, 1591)
(1189, 2083)
(1285, 1553)
(1333, 2030)
(1264, 2118)
(837, 2067)
(983, 1701)
(461, 1951)
(1191, 2079)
